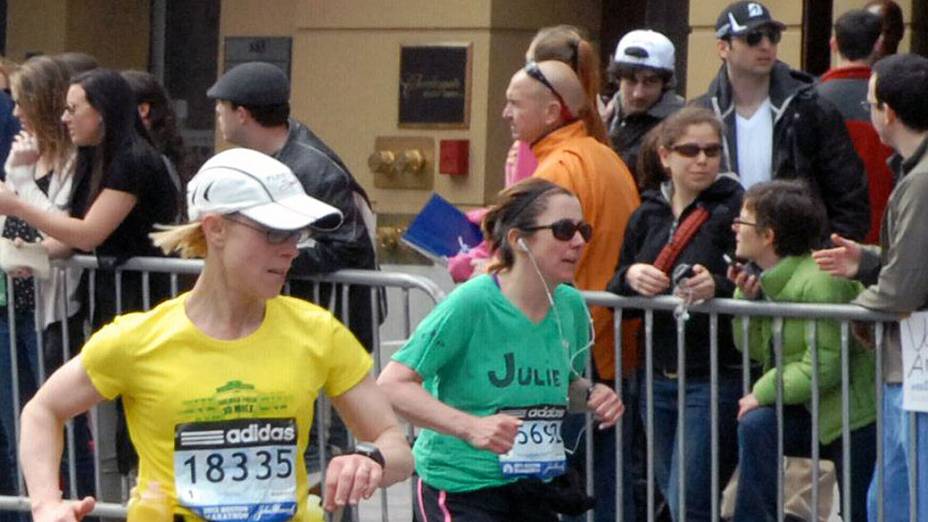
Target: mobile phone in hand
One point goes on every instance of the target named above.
(750, 267)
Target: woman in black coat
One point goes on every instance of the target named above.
(691, 203)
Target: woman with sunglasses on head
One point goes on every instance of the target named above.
(675, 243)
(490, 373)
(219, 383)
(777, 229)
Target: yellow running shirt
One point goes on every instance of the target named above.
(222, 425)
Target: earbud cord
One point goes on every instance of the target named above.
(557, 318)
(564, 342)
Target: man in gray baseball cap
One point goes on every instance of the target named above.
(252, 83)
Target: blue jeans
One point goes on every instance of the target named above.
(897, 447)
(697, 455)
(757, 443)
(604, 453)
(27, 360)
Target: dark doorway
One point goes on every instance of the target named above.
(816, 53)
(670, 17)
(191, 51)
(3, 27)
(919, 28)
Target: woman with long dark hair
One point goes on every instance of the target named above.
(121, 189)
(160, 120)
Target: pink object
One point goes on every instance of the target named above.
(461, 266)
(520, 164)
(476, 216)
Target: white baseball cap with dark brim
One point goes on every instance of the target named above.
(259, 187)
(645, 48)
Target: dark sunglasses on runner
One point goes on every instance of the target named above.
(564, 229)
(754, 36)
(691, 150)
(275, 236)
(532, 69)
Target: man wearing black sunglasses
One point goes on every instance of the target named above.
(775, 113)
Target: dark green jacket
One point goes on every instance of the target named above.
(798, 279)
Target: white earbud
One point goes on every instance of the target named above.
(522, 244)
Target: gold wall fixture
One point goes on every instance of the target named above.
(382, 161)
(401, 162)
(390, 247)
(411, 160)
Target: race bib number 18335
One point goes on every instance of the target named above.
(237, 470)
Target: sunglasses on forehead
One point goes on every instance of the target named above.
(754, 36)
(532, 69)
(565, 229)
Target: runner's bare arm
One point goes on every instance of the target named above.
(404, 388)
(349, 478)
(67, 393)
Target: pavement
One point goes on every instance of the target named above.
(398, 505)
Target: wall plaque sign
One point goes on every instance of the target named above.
(435, 86)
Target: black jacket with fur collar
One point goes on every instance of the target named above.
(648, 230)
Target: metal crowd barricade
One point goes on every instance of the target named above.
(343, 280)
(844, 314)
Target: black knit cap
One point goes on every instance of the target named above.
(252, 83)
(741, 17)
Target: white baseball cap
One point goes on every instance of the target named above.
(259, 187)
(645, 48)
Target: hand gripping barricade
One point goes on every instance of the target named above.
(402, 293)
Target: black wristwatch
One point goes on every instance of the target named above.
(370, 451)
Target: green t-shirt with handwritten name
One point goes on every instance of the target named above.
(478, 353)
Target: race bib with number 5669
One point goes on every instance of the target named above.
(539, 449)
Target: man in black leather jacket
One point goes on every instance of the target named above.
(253, 111)
(809, 139)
